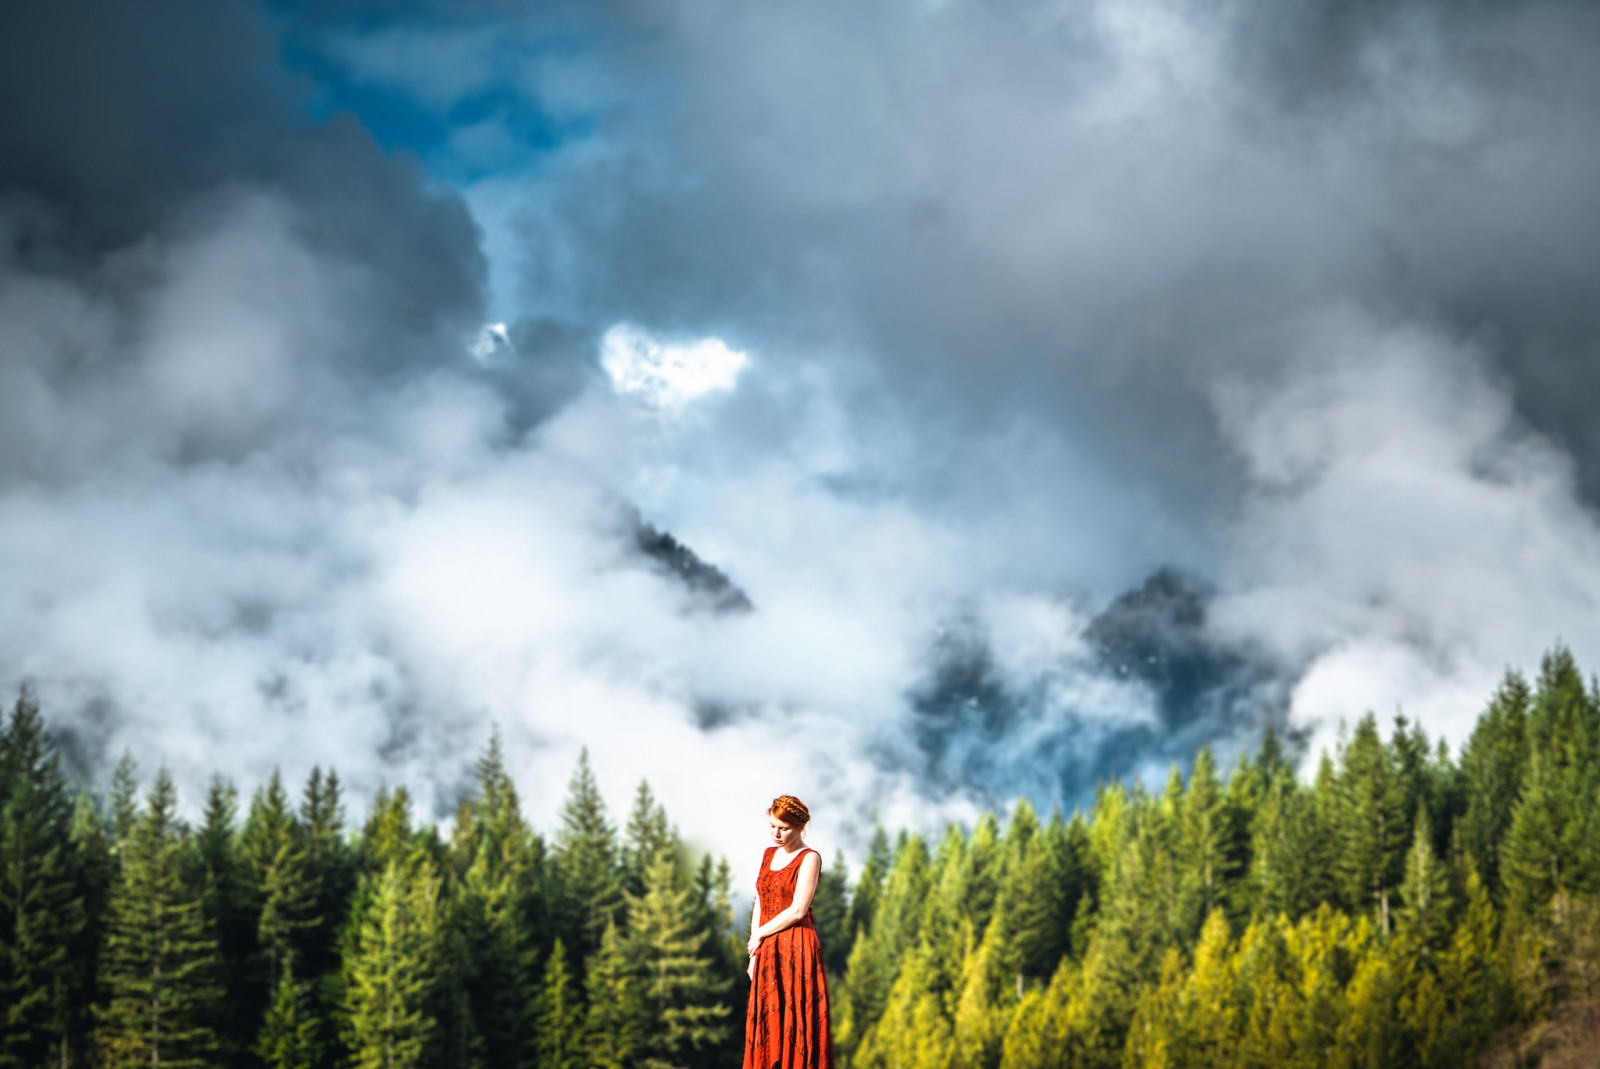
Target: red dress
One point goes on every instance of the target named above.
(786, 1026)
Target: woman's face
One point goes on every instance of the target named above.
(784, 836)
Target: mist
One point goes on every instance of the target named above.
(1059, 387)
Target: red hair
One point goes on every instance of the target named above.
(790, 810)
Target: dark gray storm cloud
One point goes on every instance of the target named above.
(1047, 388)
(1096, 208)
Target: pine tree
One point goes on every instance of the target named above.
(830, 909)
(615, 1026)
(1211, 845)
(1209, 1022)
(587, 863)
(1269, 1007)
(1426, 899)
(388, 837)
(1154, 1038)
(91, 838)
(230, 913)
(1531, 856)
(392, 970)
(1370, 810)
(1475, 989)
(159, 965)
(912, 1033)
(863, 904)
(291, 1033)
(682, 999)
(647, 838)
(497, 910)
(42, 895)
(558, 1017)
(124, 800)
(1492, 765)
(876, 957)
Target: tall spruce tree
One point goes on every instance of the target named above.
(498, 907)
(616, 1024)
(558, 1016)
(590, 876)
(291, 1033)
(1531, 857)
(1427, 899)
(391, 972)
(159, 965)
(869, 888)
(1212, 845)
(1370, 811)
(830, 910)
(684, 1000)
(42, 896)
(648, 836)
(230, 911)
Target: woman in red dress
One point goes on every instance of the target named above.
(786, 1026)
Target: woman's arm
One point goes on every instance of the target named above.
(805, 888)
(750, 947)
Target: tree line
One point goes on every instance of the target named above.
(284, 939)
(1406, 908)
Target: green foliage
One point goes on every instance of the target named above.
(615, 1024)
(291, 1034)
(42, 895)
(680, 994)
(158, 969)
(586, 858)
(558, 1020)
(1401, 909)
(393, 970)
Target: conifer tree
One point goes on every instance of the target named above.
(387, 837)
(1208, 1023)
(291, 1032)
(91, 839)
(1269, 1004)
(1491, 769)
(558, 1016)
(392, 970)
(875, 959)
(230, 913)
(124, 800)
(496, 911)
(586, 858)
(1470, 973)
(1154, 1036)
(330, 871)
(683, 1001)
(864, 903)
(1426, 900)
(1370, 810)
(830, 909)
(160, 960)
(648, 837)
(1531, 856)
(1211, 845)
(42, 896)
(615, 1024)
(913, 1032)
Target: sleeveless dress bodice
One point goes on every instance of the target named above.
(786, 1025)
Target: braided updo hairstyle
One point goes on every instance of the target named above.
(790, 810)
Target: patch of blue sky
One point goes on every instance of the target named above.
(460, 97)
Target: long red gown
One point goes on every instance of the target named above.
(786, 1026)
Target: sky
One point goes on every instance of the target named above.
(1064, 385)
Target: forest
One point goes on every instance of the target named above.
(1406, 907)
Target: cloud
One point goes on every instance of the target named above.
(663, 375)
(1089, 381)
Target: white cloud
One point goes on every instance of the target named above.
(667, 375)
